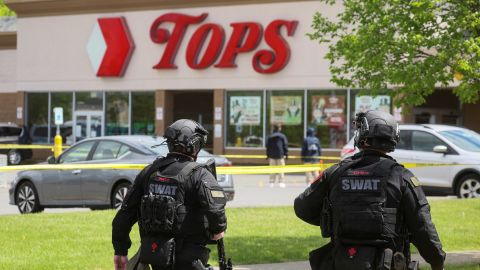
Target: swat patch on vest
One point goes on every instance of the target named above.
(360, 184)
(162, 189)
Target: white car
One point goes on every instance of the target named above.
(457, 149)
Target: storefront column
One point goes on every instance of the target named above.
(20, 108)
(8, 107)
(218, 121)
(470, 114)
(163, 111)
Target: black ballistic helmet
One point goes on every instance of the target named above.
(186, 136)
(377, 130)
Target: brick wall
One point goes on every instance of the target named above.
(8, 107)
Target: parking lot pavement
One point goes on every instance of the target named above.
(250, 191)
(253, 190)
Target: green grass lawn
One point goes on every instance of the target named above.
(255, 235)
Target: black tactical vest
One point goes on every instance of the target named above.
(358, 198)
(162, 209)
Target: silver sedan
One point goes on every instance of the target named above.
(34, 190)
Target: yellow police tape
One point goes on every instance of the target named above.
(28, 146)
(264, 157)
(220, 170)
(36, 146)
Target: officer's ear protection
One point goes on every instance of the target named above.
(194, 144)
(197, 141)
(362, 128)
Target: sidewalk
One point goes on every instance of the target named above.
(453, 258)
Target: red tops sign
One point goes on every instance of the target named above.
(110, 50)
(245, 37)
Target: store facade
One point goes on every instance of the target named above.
(131, 68)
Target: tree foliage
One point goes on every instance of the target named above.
(4, 10)
(410, 46)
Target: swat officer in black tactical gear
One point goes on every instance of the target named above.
(370, 206)
(178, 204)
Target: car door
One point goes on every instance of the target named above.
(97, 184)
(422, 144)
(403, 150)
(65, 187)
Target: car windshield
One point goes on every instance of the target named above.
(465, 139)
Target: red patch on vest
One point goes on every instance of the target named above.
(163, 179)
(359, 173)
(351, 252)
(154, 247)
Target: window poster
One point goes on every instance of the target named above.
(286, 110)
(365, 103)
(328, 110)
(245, 110)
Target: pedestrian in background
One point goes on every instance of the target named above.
(277, 152)
(311, 150)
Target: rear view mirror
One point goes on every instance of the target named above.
(51, 160)
(442, 149)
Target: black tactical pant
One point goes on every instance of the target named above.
(187, 255)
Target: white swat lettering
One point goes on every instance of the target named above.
(360, 184)
(356, 184)
(163, 189)
(345, 184)
(367, 185)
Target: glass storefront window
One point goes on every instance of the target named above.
(143, 113)
(37, 117)
(360, 101)
(89, 101)
(327, 114)
(244, 118)
(88, 115)
(63, 100)
(116, 113)
(287, 108)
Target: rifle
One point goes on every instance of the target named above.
(223, 262)
(198, 265)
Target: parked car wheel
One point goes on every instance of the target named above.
(14, 157)
(469, 186)
(27, 199)
(119, 194)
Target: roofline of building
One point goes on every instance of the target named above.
(8, 40)
(37, 8)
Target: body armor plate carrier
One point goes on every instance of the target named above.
(362, 227)
(162, 212)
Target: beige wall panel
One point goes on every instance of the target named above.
(8, 71)
(59, 60)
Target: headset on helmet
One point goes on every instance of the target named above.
(186, 136)
(378, 129)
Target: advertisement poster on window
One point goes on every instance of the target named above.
(365, 103)
(286, 110)
(328, 110)
(245, 110)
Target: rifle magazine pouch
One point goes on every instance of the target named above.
(158, 214)
(157, 251)
(355, 257)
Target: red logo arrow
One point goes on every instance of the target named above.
(115, 46)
